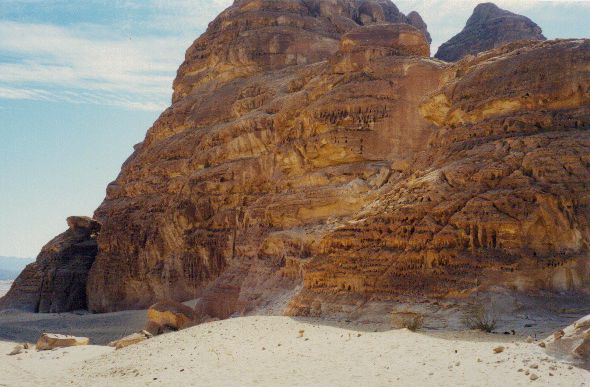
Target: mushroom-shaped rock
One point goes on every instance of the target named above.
(49, 341)
(395, 39)
(169, 315)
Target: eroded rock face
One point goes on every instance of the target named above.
(364, 171)
(56, 282)
(310, 165)
(393, 39)
(486, 202)
(247, 156)
(489, 27)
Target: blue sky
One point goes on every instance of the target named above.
(81, 82)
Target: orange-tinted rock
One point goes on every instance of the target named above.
(487, 201)
(384, 11)
(132, 339)
(56, 282)
(248, 150)
(337, 165)
(385, 176)
(169, 315)
(49, 341)
(489, 27)
(397, 39)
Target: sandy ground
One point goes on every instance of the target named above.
(100, 328)
(268, 351)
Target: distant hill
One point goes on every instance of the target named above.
(10, 267)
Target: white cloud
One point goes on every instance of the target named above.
(12, 93)
(124, 65)
(63, 61)
(132, 61)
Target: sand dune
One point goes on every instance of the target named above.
(268, 351)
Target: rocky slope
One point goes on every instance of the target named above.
(489, 27)
(315, 160)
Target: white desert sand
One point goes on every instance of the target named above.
(268, 351)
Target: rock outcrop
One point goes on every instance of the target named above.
(489, 27)
(354, 167)
(56, 282)
(307, 174)
(231, 178)
(315, 160)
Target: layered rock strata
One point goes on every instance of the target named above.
(315, 159)
(280, 121)
(376, 173)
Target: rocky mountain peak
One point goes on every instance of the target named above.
(488, 27)
(316, 161)
(484, 12)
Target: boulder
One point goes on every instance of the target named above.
(49, 341)
(572, 341)
(169, 315)
(132, 339)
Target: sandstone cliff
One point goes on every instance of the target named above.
(265, 142)
(315, 159)
(56, 282)
(489, 27)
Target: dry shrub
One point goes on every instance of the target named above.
(480, 316)
(408, 320)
